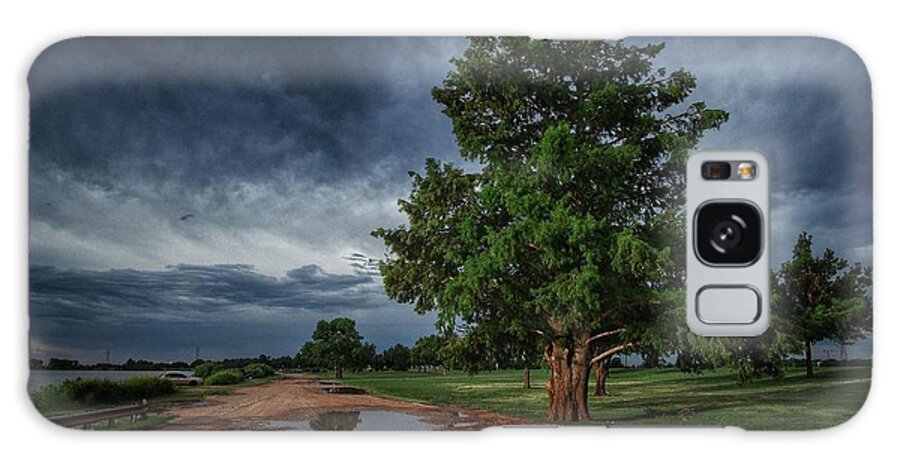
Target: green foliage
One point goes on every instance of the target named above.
(92, 391)
(749, 357)
(307, 359)
(824, 297)
(259, 370)
(565, 232)
(364, 356)
(427, 351)
(52, 398)
(225, 377)
(397, 358)
(256, 370)
(146, 387)
(99, 391)
(336, 344)
(813, 299)
(558, 234)
(207, 369)
(487, 347)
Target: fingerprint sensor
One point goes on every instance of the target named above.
(724, 304)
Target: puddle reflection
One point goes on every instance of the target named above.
(355, 420)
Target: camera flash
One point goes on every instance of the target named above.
(746, 170)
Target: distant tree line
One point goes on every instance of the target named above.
(279, 363)
(337, 346)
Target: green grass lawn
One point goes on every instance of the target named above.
(650, 396)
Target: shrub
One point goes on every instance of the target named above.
(52, 398)
(207, 369)
(259, 370)
(79, 391)
(226, 377)
(92, 391)
(138, 388)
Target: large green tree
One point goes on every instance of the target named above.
(336, 344)
(823, 298)
(582, 147)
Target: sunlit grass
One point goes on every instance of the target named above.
(651, 396)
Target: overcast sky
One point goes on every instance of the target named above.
(220, 192)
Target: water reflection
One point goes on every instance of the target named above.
(343, 390)
(355, 420)
(335, 420)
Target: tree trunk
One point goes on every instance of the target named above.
(526, 381)
(602, 369)
(809, 366)
(338, 372)
(569, 373)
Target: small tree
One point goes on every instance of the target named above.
(397, 358)
(335, 344)
(427, 352)
(823, 298)
(364, 357)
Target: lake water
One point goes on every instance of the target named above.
(41, 378)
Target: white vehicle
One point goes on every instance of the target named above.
(180, 378)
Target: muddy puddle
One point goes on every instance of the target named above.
(332, 387)
(343, 390)
(306, 403)
(353, 420)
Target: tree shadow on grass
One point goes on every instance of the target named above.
(818, 401)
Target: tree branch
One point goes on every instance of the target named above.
(612, 351)
(605, 334)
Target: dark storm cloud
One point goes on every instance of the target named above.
(187, 291)
(278, 152)
(287, 153)
(218, 305)
(290, 150)
(203, 111)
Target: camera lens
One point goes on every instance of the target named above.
(728, 233)
(716, 170)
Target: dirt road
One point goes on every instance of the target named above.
(307, 403)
